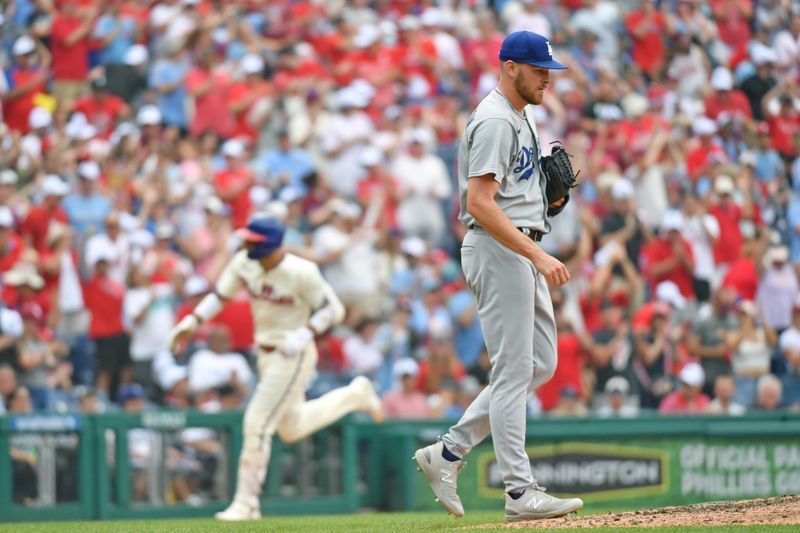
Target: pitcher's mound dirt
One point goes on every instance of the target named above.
(770, 511)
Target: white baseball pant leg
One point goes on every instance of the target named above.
(278, 403)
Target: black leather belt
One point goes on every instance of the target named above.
(534, 234)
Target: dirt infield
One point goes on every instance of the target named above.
(783, 510)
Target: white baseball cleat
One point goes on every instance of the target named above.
(535, 504)
(237, 512)
(372, 402)
(441, 475)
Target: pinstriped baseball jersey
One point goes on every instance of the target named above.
(498, 140)
(281, 299)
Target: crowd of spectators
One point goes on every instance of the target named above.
(137, 135)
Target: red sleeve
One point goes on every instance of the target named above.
(59, 31)
(193, 79)
(633, 20)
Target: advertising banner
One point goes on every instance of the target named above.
(654, 472)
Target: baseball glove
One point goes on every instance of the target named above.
(560, 178)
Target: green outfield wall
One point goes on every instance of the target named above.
(139, 465)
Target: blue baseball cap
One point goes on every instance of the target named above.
(531, 48)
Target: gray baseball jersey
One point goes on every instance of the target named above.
(499, 140)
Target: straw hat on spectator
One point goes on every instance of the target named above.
(56, 231)
(23, 275)
(692, 375)
(8, 177)
(724, 185)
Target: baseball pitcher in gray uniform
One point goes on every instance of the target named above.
(503, 203)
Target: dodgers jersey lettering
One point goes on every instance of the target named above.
(497, 140)
(281, 299)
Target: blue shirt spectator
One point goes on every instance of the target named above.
(86, 209)
(118, 34)
(793, 219)
(286, 165)
(769, 165)
(167, 78)
(468, 334)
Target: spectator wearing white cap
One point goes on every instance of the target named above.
(619, 402)
(168, 79)
(701, 153)
(777, 289)
(86, 208)
(729, 214)
(347, 134)
(622, 223)
(37, 222)
(349, 259)
(760, 83)
(725, 98)
(233, 182)
(701, 230)
(424, 187)
(378, 186)
(33, 144)
(24, 79)
(669, 256)
(405, 401)
(249, 99)
(115, 238)
(128, 78)
(688, 399)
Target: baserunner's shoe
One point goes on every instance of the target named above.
(441, 475)
(238, 511)
(371, 401)
(535, 504)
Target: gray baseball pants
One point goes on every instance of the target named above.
(516, 315)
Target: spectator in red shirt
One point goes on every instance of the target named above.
(688, 399)
(208, 84)
(37, 223)
(248, 99)
(724, 98)
(703, 151)
(647, 27)
(728, 246)
(441, 365)
(669, 256)
(102, 109)
(742, 275)
(11, 245)
(70, 44)
(234, 181)
(104, 299)
(24, 79)
(786, 121)
(378, 183)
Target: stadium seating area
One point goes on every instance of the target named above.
(137, 135)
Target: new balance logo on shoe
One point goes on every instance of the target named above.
(534, 504)
(447, 477)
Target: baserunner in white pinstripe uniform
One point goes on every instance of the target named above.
(291, 303)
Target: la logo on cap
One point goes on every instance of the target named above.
(549, 49)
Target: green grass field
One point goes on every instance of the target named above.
(390, 522)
